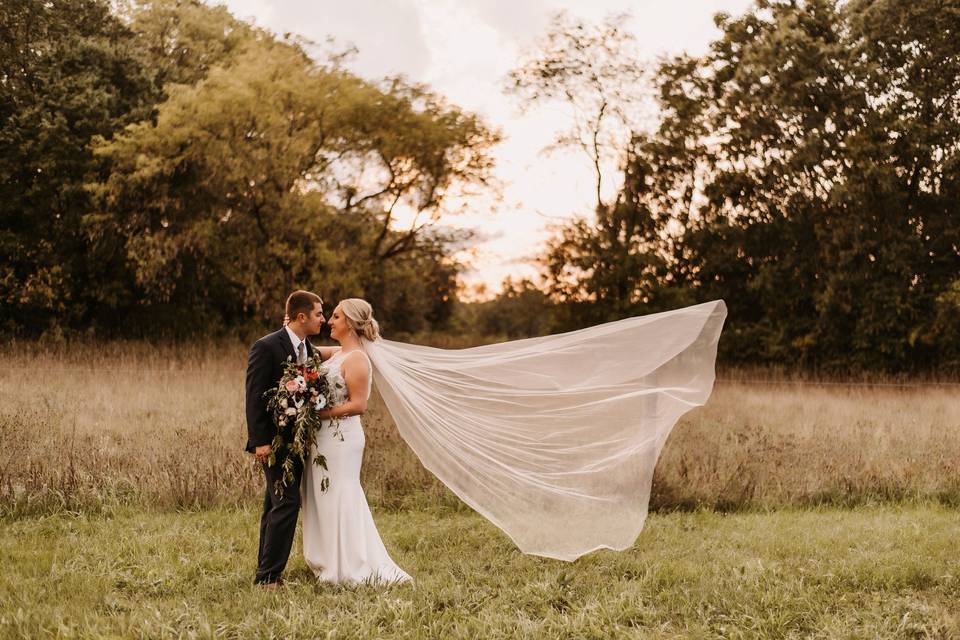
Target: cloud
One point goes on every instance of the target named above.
(519, 22)
(388, 33)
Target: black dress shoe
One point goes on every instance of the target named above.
(270, 586)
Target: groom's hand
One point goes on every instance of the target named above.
(263, 453)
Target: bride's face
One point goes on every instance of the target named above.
(338, 325)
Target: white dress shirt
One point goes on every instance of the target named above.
(295, 339)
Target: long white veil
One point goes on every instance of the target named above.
(554, 439)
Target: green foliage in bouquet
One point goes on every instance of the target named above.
(295, 403)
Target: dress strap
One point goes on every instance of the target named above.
(369, 364)
(369, 369)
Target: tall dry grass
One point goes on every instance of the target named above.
(92, 425)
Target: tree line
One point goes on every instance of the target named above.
(168, 168)
(806, 170)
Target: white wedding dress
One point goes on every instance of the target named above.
(341, 543)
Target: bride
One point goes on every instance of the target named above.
(552, 439)
(341, 543)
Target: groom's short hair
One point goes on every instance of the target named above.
(301, 302)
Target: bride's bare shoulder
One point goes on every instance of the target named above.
(351, 356)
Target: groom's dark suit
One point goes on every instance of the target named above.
(278, 523)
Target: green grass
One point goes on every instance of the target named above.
(128, 510)
(872, 571)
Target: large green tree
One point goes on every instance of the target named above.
(828, 144)
(69, 70)
(168, 169)
(805, 170)
(272, 171)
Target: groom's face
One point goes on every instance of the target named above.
(314, 320)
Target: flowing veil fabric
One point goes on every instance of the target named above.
(554, 439)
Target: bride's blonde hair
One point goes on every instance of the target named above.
(359, 315)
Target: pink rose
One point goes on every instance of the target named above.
(292, 386)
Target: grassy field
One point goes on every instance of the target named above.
(93, 426)
(867, 572)
(127, 509)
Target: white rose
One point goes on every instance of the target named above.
(321, 403)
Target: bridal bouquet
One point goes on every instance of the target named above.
(301, 393)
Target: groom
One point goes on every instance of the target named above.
(278, 523)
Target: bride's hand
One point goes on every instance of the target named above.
(286, 319)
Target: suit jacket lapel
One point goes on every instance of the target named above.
(285, 342)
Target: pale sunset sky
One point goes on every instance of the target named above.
(464, 49)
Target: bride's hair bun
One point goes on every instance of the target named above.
(359, 315)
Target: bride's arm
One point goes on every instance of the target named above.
(326, 352)
(356, 374)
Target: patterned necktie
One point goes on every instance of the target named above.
(302, 352)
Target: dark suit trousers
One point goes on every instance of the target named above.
(278, 523)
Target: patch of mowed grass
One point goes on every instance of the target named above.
(883, 571)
